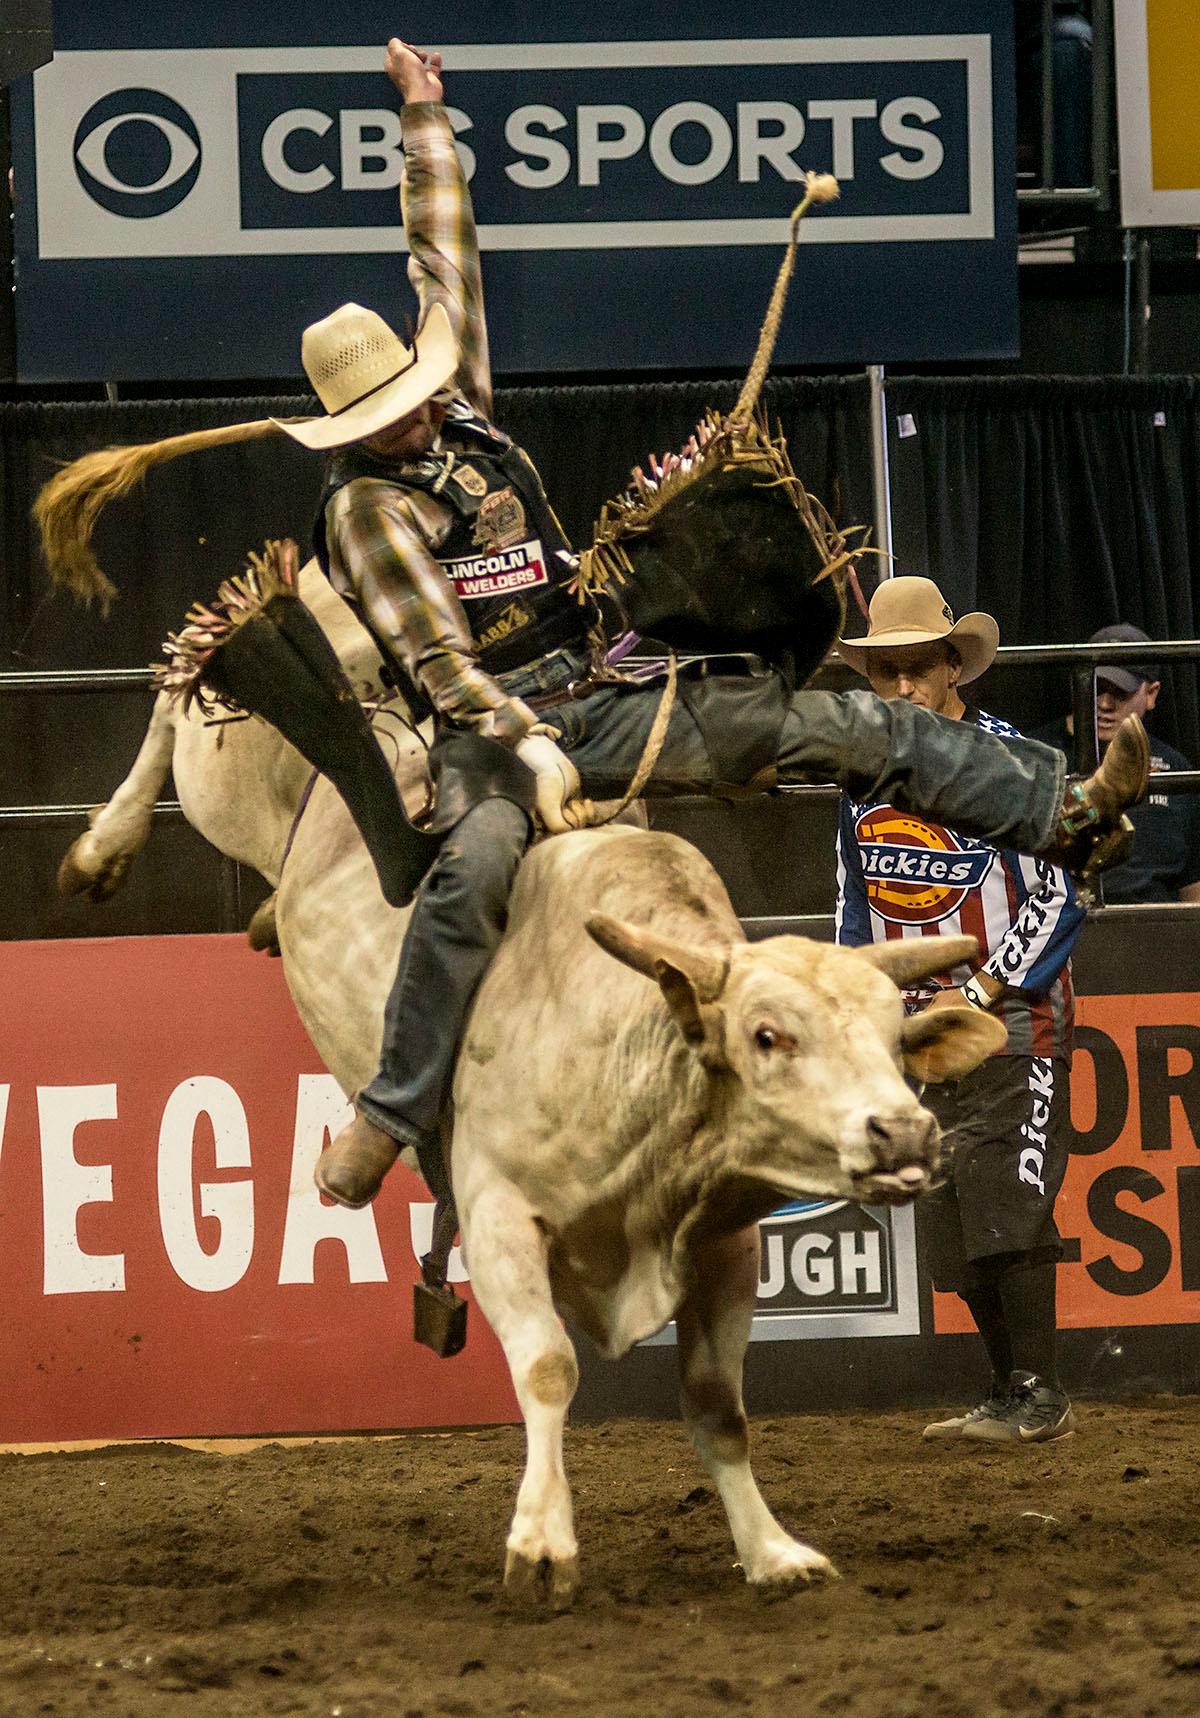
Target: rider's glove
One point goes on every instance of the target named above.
(557, 780)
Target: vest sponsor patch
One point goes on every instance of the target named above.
(500, 521)
(916, 873)
(508, 621)
(520, 568)
(470, 481)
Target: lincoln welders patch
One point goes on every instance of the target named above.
(517, 569)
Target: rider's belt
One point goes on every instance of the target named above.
(565, 695)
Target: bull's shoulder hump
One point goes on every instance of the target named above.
(623, 871)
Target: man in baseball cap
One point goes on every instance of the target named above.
(1165, 862)
(1128, 689)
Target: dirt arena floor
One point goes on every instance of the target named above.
(361, 1577)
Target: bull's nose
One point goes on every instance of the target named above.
(903, 1138)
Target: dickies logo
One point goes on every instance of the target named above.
(916, 873)
(137, 153)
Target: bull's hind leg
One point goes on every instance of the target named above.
(714, 1328)
(97, 861)
(506, 1251)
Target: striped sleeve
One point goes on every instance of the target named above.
(439, 224)
(853, 922)
(1048, 919)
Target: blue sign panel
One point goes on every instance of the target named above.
(193, 189)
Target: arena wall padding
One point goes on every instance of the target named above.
(166, 1269)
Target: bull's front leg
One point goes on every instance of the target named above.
(96, 861)
(506, 1254)
(714, 1328)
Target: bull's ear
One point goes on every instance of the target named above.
(945, 1043)
(690, 977)
(910, 959)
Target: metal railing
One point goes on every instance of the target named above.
(1045, 189)
(16, 683)
(1082, 660)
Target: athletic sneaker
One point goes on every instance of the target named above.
(1035, 1413)
(944, 1431)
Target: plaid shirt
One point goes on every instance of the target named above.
(383, 537)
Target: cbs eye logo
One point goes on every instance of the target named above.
(137, 153)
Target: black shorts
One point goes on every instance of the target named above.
(1005, 1155)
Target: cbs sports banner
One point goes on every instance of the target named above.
(196, 182)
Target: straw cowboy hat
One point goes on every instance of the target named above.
(366, 377)
(908, 611)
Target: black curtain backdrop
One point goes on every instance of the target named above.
(1060, 505)
(193, 520)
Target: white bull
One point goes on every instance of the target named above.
(615, 1141)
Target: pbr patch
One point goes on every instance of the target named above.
(500, 521)
(916, 873)
(470, 481)
(519, 568)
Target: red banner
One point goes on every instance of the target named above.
(1129, 1211)
(167, 1266)
(168, 1269)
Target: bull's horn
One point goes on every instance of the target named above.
(648, 953)
(910, 959)
(69, 505)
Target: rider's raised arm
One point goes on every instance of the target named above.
(438, 219)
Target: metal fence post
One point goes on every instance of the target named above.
(881, 472)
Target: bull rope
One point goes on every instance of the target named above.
(599, 812)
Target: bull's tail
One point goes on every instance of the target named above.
(69, 505)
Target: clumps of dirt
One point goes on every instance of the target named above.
(350, 1579)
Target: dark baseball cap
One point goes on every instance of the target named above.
(1130, 675)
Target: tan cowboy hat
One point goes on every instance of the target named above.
(909, 610)
(366, 377)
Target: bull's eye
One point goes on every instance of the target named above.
(766, 1037)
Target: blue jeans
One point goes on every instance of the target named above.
(457, 921)
(1005, 791)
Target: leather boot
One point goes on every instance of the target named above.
(351, 1169)
(1093, 832)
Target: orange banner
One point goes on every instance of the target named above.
(1129, 1210)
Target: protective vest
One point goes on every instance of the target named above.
(505, 553)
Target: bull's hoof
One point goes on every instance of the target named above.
(261, 932)
(99, 881)
(787, 1567)
(542, 1582)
